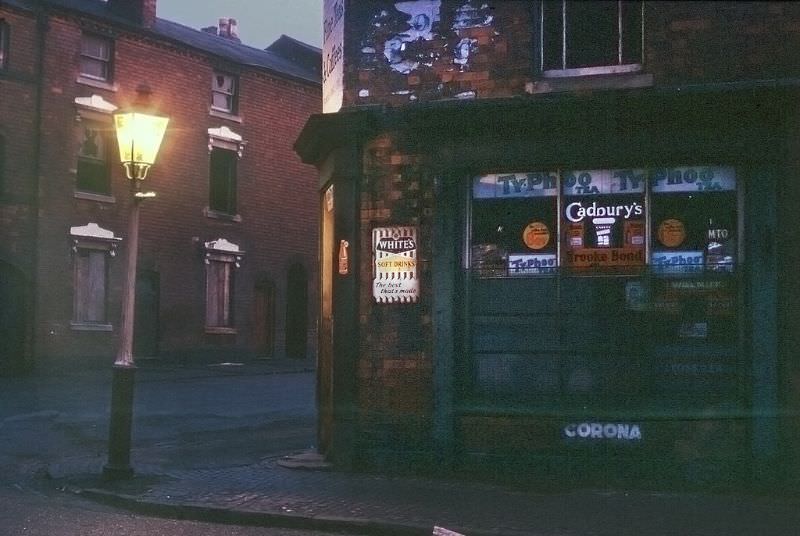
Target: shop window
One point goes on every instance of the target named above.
(92, 246)
(92, 171)
(222, 188)
(96, 57)
(579, 37)
(618, 286)
(224, 93)
(603, 223)
(221, 259)
(4, 43)
(515, 224)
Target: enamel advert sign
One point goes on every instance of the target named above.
(394, 250)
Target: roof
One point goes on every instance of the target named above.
(298, 51)
(275, 60)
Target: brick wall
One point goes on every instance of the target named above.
(17, 129)
(485, 52)
(277, 194)
(490, 49)
(395, 355)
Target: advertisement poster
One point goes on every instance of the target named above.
(604, 231)
(394, 252)
(332, 56)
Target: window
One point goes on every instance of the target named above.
(96, 56)
(222, 188)
(224, 93)
(615, 286)
(603, 221)
(92, 173)
(4, 31)
(2, 166)
(579, 37)
(92, 245)
(222, 258)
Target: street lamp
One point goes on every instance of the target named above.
(139, 136)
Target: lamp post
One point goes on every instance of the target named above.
(139, 136)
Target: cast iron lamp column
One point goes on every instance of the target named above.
(139, 136)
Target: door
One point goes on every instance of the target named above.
(264, 319)
(13, 319)
(296, 312)
(146, 321)
(325, 343)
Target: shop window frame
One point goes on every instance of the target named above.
(478, 396)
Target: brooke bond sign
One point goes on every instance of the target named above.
(395, 255)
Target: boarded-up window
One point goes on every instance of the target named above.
(90, 286)
(222, 187)
(219, 294)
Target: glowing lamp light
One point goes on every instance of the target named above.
(139, 137)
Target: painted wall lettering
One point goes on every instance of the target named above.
(599, 430)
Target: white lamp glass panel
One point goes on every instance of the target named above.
(139, 136)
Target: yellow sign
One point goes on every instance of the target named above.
(536, 235)
(671, 233)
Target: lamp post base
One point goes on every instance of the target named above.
(119, 429)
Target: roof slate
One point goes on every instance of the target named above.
(221, 47)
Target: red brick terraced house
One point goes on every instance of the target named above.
(227, 263)
(559, 239)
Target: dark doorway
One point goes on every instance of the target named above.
(264, 318)
(14, 319)
(146, 323)
(296, 311)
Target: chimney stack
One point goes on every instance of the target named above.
(137, 11)
(228, 29)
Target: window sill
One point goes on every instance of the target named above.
(222, 114)
(216, 215)
(100, 84)
(90, 196)
(89, 326)
(590, 82)
(221, 331)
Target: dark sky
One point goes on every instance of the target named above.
(260, 21)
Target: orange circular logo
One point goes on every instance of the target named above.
(671, 233)
(536, 235)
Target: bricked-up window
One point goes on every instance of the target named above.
(579, 37)
(92, 172)
(96, 57)
(224, 92)
(4, 31)
(222, 187)
(221, 258)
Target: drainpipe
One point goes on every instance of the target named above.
(41, 32)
